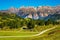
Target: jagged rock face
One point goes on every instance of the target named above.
(28, 13)
(22, 12)
(13, 10)
(38, 13)
(41, 12)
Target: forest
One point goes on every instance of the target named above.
(13, 21)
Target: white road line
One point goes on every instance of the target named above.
(30, 36)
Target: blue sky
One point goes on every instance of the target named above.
(5, 4)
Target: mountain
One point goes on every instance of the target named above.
(55, 17)
(10, 10)
(3, 10)
(41, 12)
(13, 10)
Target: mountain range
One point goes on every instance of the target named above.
(41, 12)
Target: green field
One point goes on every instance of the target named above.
(17, 33)
(53, 34)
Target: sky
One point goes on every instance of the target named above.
(5, 4)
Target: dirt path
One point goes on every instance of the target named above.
(42, 32)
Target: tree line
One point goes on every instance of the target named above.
(12, 21)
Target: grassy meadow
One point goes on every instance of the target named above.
(49, 35)
(23, 28)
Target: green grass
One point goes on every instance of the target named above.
(2, 33)
(46, 36)
(55, 35)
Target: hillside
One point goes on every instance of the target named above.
(12, 21)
